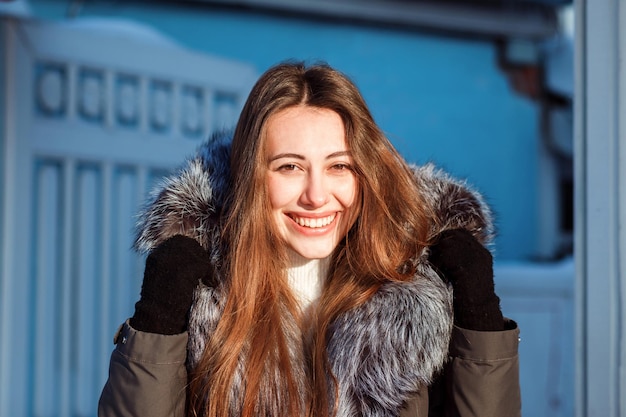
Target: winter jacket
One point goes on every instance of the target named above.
(386, 354)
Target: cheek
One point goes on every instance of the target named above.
(276, 202)
(348, 193)
(280, 192)
(273, 192)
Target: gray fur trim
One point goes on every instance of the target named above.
(382, 352)
(454, 203)
(189, 201)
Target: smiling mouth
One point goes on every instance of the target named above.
(313, 223)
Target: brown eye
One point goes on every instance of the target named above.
(288, 167)
(341, 167)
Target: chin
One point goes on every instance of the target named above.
(314, 253)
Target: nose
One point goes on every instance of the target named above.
(315, 193)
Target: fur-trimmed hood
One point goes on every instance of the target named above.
(382, 352)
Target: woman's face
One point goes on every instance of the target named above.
(312, 186)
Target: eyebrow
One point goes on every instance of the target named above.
(302, 158)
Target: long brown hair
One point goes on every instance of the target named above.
(253, 342)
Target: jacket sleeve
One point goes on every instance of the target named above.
(481, 378)
(147, 375)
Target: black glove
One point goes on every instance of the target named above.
(468, 266)
(173, 270)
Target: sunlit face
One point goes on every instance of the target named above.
(312, 186)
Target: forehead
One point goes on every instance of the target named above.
(305, 128)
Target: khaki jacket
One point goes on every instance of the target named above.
(381, 353)
(147, 377)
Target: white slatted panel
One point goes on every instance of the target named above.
(100, 116)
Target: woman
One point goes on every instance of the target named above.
(307, 270)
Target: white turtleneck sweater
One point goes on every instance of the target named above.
(306, 278)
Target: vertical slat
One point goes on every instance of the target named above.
(72, 91)
(126, 292)
(7, 166)
(621, 206)
(10, 288)
(102, 316)
(67, 335)
(176, 104)
(88, 273)
(208, 108)
(144, 107)
(598, 230)
(580, 394)
(46, 291)
(109, 100)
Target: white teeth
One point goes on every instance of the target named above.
(314, 223)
